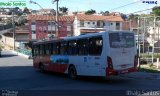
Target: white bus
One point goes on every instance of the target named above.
(98, 54)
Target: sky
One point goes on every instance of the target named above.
(98, 5)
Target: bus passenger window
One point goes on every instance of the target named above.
(47, 49)
(95, 45)
(72, 47)
(55, 48)
(63, 48)
(83, 46)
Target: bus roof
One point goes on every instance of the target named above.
(78, 37)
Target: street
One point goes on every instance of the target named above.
(17, 73)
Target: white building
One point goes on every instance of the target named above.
(154, 35)
(94, 23)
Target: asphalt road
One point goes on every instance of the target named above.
(17, 73)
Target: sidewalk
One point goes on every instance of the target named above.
(143, 75)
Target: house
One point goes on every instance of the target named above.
(21, 36)
(43, 12)
(94, 23)
(47, 12)
(42, 26)
(131, 25)
(153, 35)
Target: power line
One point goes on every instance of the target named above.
(125, 5)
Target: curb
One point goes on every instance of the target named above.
(149, 76)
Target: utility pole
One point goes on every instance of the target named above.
(144, 31)
(130, 25)
(57, 14)
(13, 25)
(138, 45)
(154, 26)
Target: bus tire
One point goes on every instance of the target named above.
(41, 67)
(72, 72)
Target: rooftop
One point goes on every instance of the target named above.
(49, 17)
(81, 17)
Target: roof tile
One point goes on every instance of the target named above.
(81, 17)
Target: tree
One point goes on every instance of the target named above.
(156, 10)
(124, 16)
(26, 10)
(106, 13)
(90, 12)
(64, 10)
(133, 16)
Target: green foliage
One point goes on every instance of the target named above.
(156, 10)
(90, 12)
(149, 68)
(64, 10)
(133, 16)
(150, 55)
(26, 10)
(1, 47)
(105, 13)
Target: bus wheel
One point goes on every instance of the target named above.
(41, 67)
(72, 72)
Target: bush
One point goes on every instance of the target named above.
(1, 47)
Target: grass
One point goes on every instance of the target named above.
(150, 55)
(149, 68)
(1, 47)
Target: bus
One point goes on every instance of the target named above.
(102, 54)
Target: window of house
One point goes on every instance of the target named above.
(33, 32)
(104, 24)
(93, 22)
(95, 45)
(49, 23)
(111, 23)
(88, 22)
(98, 23)
(68, 28)
(81, 23)
(82, 46)
(117, 26)
(33, 23)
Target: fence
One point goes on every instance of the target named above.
(25, 51)
(4, 27)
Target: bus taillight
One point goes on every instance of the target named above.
(109, 60)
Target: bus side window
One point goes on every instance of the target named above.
(63, 48)
(83, 46)
(50, 48)
(95, 45)
(47, 48)
(72, 47)
(55, 48)
(35, 50)
(41, 50)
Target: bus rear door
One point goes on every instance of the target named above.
(122, 50)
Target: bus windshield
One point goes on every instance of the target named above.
(121, 40)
